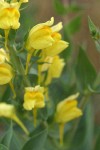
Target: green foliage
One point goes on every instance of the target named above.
(85, 71)
(37, 141)
(74, 25)
(95, 33)
(62, 9)
(8, 137)
(2, 147)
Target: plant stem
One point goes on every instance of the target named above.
(35, 116)
(6, 39)
(61, 133)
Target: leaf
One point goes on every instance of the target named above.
(17, 141)
(3, 147)
(8, 136)
(63, 9)
(88, 143)
(59, 7)
(85, 71)
(97, 144)
(95, 33)
(37, 141)
(92, 27)
(74, 25)
(84, 136)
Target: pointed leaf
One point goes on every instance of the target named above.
(85, 71)
(95, 32)
(3, 147)
(8, 136)
(37, 141)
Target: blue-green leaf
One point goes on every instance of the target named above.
(8, 137)
(3, 147)
(63, 9)
(85, 71)
(95, 33)
(37, 141)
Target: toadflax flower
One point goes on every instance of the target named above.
(9, 15)
(66, 111)
(8, 111)
(40, 36)
(53, 66)
(6, 71)
(46, 38)
(34, 99)
(58, 45)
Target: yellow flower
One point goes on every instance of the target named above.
(3, 56)
(9, 15)
(66, 111)
(33, 98)
(58, 45)
(8, 111)
(6, 73)
(53, 66)
(40, 36)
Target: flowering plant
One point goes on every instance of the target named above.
(32, 77)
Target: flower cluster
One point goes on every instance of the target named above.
(45, 39)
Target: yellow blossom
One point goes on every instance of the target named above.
(8, 111)
(58, 45)
(6, 73)
(66, 111)
(9, 15)
(33, 98)
(40, 36)
(53, 66)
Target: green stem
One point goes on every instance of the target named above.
(29, 55)
(35, 116)
(13, 90)
(61, 133)
(18, 121)
(6, 39)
